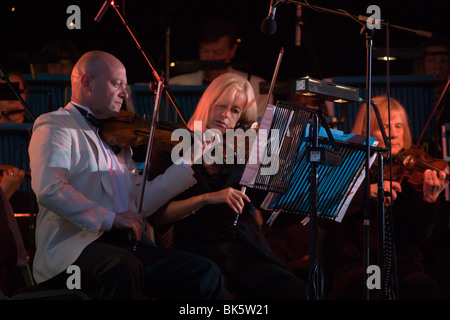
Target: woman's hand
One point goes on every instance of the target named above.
(433, 184)
(233, 197)
(396, 188)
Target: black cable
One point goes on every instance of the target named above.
(388, 245)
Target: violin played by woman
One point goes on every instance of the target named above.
(410, 165)
(428, 175)
(407, 223)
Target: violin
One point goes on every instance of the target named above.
(410, 166)
(127, 129)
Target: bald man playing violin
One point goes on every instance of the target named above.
(89, 197)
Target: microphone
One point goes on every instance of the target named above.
(269, 25)
(102, 11)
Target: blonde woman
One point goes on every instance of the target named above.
(203, 216)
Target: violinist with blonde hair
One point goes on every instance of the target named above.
(203, 216)
(414, 215)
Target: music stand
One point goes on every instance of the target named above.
(321, 188)
(315, 154)
(284, 126)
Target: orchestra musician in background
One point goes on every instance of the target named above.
(414, 217)
(203, 216)
(218, 41)
(12, 111)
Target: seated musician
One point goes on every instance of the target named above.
(203, 216)
(12, 111)
(89, 198)
(414, 214)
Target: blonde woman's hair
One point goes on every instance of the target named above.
(223, 90)
(381, 101)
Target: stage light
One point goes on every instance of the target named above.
(386, 58)
(325, 90)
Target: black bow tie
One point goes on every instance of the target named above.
(96, 122)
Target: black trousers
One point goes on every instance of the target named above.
(111, 269)
(412, 285)
(251, 274)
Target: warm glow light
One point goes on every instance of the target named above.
(22, 215)
(340, 101)
(385, 58)
(172, 64)
(13, 9)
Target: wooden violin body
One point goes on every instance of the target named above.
(410, 166)
(129, 130)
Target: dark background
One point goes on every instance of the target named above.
(331, 45)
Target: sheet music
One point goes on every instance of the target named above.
(353, 190)
(332, 204)
(252, 167)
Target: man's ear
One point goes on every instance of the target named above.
(85, 81)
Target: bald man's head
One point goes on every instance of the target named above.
(94, 63)
(99, 83)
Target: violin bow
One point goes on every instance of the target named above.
(436, 106)
(272, 85)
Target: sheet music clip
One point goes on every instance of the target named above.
(324, 156)
(272, 217)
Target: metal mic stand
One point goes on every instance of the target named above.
(4, 76)
(366, 220)
(147, 166)
(315, 285)
(155, 74)
(313, 217)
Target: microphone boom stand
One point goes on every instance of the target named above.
(5, 77)
(366, 221)
(155, 74)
